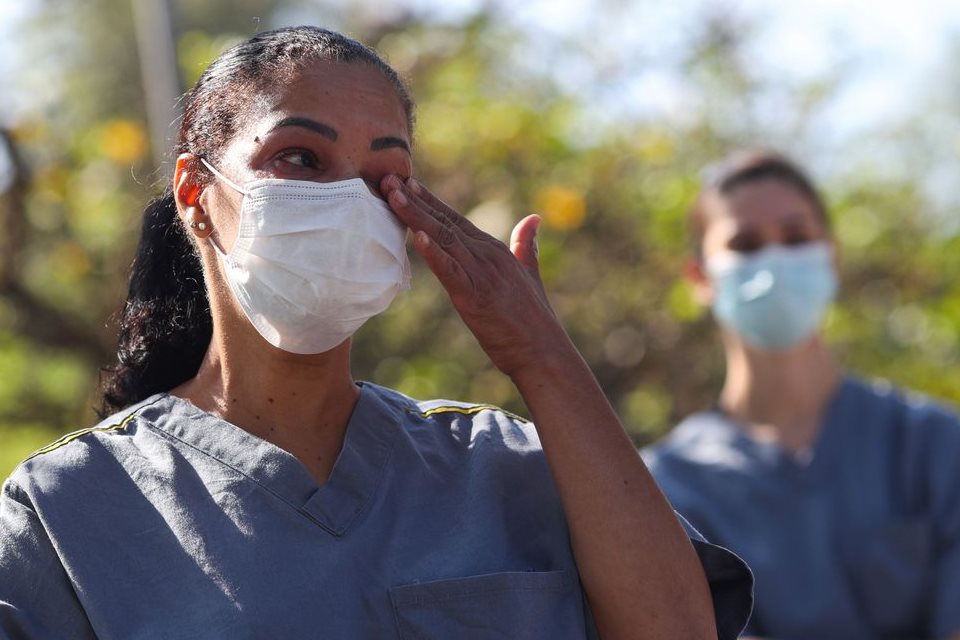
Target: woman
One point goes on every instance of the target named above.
(247, 487)
(843, 496)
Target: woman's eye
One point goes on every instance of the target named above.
(299, 158)
(794, 237)
(745, 244)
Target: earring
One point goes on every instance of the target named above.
(197, 222)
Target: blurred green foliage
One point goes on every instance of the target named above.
(496, 140)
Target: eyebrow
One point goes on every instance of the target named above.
(298, 121)
(795, 220)
(378, 144)
(389, 142)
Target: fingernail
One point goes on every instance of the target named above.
(413, 185)
(399, 198)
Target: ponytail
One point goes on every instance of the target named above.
(165, 326)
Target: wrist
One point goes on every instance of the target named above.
(558, 362)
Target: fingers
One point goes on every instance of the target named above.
(448, 271)
(420, 217)
(453, 247)
(420, 202)
(523, 243)
(435, 236)
(442, 208)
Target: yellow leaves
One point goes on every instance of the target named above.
(123, 141)
(562, 207)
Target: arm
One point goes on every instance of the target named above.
(639, 570)
(37, 599)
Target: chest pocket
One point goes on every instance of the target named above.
(519, 605)
(891, 569)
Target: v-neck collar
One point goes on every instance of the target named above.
(356, 475)
(836, 414)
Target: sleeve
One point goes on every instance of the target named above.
(944, 478)
(730, 580)
(946, 622)
(37, 599)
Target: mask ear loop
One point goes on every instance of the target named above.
(227, 180)
(233, 185)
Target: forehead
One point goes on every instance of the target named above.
(343, 95)
(760, 203)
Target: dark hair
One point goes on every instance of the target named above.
(743, 167)
(165, 325)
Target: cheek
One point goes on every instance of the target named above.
(373, 176)
(719, 228)
(224, 212)
(714, 241)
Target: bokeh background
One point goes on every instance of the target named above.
(597, 114)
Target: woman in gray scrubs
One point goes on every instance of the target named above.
(842, 495)
(246, 487)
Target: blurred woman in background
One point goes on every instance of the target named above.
(842, 495)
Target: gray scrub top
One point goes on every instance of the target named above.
(859, 538)
(439, 520)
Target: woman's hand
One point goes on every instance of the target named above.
(497, 291)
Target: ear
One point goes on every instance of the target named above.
(696, 275)
(186, 191)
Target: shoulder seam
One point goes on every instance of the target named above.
(470, 411)
(70, 437)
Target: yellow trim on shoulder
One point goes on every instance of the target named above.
(469, 411)
(456, 409)
(70, 437)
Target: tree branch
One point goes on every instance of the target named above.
(30, 316)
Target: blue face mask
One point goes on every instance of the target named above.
(776, 297)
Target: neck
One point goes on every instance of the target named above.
(300, 403)
(779, 395)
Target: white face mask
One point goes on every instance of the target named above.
(313, 261)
